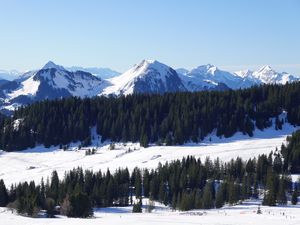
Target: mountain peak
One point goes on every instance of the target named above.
(148, 62)
(205, 68)
(51, 65)
(265, 68)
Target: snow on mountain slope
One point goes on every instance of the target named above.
(265, 75)
(149, 76)
(81, 84)
(50, 82)
(209, 76)
(206, 77)
(28, 87)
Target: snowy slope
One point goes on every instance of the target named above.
(29, 87)
(32, 164)
(149, 76)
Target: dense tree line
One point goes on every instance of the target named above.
(182, 184)
(171, 119)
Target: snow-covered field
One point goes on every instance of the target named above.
(33, 164)
(244, 214)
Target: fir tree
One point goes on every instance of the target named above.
(3, 194)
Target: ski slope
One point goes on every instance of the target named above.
(33, 164)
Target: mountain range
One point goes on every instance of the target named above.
(149, 76)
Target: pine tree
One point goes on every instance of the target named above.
(3, 194)
(137, 207)
(220, 196)
(233, 196)
(54, 186)
(295, 197)
(281, 195)
(80, 206)
(208, 196)
(270, 192)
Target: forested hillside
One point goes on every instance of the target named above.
(172, 118)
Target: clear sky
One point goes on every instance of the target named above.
(232, 34)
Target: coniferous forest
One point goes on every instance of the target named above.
(184, 185)
(170, 119)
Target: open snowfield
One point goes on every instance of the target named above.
(33, 164)
(244, 214)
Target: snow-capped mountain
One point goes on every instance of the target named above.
(210, 77)
(103, 73)
(149, 76)
(265, 75)
(50, 82)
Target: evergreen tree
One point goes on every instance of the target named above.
(80, 206)
(281, 195)
(137, 207)
(221, 196)
(295, 197)
(208, 196)
(270, 193)
(3, 194)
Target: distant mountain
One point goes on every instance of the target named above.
(208, 77)
(50, 82)
(9, 74)
(149, 76)
(266, 75)
(103, 73)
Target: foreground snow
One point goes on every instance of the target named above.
(33, 164)
(241, 214)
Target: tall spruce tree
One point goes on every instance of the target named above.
(3, 194)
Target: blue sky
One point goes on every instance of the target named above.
(232, 34)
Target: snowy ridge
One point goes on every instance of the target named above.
(148, 76)
(267, 75)
(50, 82)
(240, 79)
